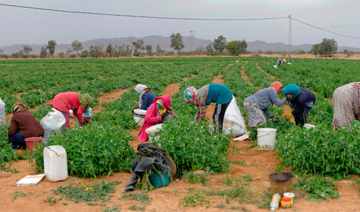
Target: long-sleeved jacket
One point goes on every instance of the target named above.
(153, 117)
(25, 123)
(147, 98)
(220, 94)
(264, 98)
(305, 100)
(65, 101)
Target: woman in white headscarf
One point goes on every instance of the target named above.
(146, 96)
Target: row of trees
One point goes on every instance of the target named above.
(134, 49)
(220, 46)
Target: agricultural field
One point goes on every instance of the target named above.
(325, 163)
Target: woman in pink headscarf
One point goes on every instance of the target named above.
(157, 112)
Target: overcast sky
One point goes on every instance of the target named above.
(26, 26)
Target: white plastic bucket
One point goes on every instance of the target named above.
(266, 138)
(55, 163)
(139, 115)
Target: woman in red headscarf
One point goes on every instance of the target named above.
(157, 112)
(257, 104)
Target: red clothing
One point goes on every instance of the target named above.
(25, 123)
(66, 101)
(152, 116)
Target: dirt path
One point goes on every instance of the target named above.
(271, 76)
(246, 78)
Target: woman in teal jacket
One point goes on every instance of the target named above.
(219, 94)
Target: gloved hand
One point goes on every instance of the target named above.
(276, 119)
(85, 122)
(290, 96)
(164, 115)
(288, 116)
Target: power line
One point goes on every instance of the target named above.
(173, 18)
(141, 16)
(324, 29)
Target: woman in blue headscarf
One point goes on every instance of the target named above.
(301, 101)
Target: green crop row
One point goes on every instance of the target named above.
(320, 151)
(39, 81)
(108, 130)
(320, 75)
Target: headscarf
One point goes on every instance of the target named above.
(18, 106)
(140, 89)
(160, 106)
(277, 85)
(190, 93)
(292, 89)
(85, 99)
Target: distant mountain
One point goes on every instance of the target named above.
(164, 43)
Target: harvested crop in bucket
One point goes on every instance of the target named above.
(266, 138)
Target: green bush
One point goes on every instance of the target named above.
(93, 150)
(321, 150)
(194, 146)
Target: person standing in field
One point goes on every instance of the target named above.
(219, 94)
(346, 103)
(301, 101)
(146, 96)
(257, 104)
(78, 103)
(279, 62)
(23, 125)
(156, 113)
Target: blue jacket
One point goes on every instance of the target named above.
(146, 100)
(305, 100)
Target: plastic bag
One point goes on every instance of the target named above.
(52, 122)
(2, 112)
(235, 122)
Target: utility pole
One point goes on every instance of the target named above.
(191, 36)
(290, 39)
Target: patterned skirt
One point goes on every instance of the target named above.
(255, 114)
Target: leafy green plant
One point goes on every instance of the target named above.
(95, 192)
(136, 208)
(194, 199)
(317, 188)
(138, 197)
(50, 200)
(112, 209)
(247, 177)
(17, 194)
(195, 178)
